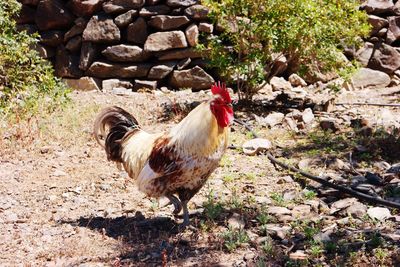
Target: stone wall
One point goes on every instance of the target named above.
(150, 43)
(381, 51)
(121, 43)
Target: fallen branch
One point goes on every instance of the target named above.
(340, 188)
(368, 104)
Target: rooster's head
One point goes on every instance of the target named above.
(221, 105)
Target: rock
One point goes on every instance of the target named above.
(342, 204)
(77, 29)
(183, 63)
(249, 256)
(273, 119)
(285, 179)
(74, 44)
(366, 77)
(52, 14)
(314, 204)
(382, 33)
(45, 51)
(195, 78)
(377, 24)
(101, 29)
(137, 31)
(181, 3)
(255, 146)
(307, 116)
(28, 28)
(393, 32)
(140, 84)
(278, 210)
(387, 118)
(295, 80)
(122, 91)
(377, 7)
(10, 217)
(336, 178)
(379, 213)
(298, 255)
(180, 54)
(295, 114)
(197, 12)
(149, 11)
(106, 70)
(51, 38)
(82, 84)
(231, 26)
(206, 27)
(395, 81)
(381, 165)
(26, 15)
(373, 179)
(327, 124)
(152, 2)
(121, 6)
(66, 65)
(159, 72)
(236, 222)
(280, 64)
(385, 58)
(338, 164)
(393, 237)
(85, 8)
(160, 41)
(279, 83)
(165, 90)
(291, 124)
(357, 210)
(305, 164)
(29, 2)
(277, 230)
(263, 200)
(59, 173)
(163, 22)
(88, 54)
(110, 84)
(322, 237)
(126, 18)
(301, 211)
(192, 34)
(395, 168)
(124, 53)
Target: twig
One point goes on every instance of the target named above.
(368, 104)
(346, 190)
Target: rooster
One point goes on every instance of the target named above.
(174, 164)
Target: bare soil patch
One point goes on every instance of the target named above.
(63, 204)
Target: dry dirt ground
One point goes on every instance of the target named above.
(63, 204)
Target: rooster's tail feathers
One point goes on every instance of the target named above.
(110, 127)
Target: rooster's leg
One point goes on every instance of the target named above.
(185, 215)
(176, 202)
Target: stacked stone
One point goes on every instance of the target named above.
(126, 43)
(380, 56)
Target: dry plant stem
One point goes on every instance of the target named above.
(342, 189)
(369, 104)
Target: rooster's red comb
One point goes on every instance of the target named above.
(220, 89)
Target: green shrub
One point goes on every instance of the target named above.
(309, 33)
(27, 82)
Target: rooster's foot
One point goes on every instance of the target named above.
(186, 221)
(176, 202)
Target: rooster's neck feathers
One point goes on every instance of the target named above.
(198, 132)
